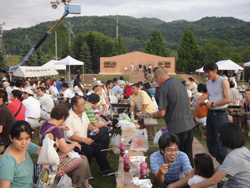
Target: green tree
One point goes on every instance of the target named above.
(156, 44)
(119, 47)
(86, 58)
(3, 62)
(26, 47)
(189, 54)
(211, 53)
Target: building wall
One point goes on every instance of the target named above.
(125, 60)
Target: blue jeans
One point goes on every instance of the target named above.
(214, 121)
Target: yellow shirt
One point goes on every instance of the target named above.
(140, 99)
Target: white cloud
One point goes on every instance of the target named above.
(26, 13)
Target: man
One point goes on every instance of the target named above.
(46, 103)
(115, 80)
(169, 164)
(235, 94)
(78, 125)
(7, 89)
(6, 119)
(143, 102)
(132, 68)
(219, 98)
(194, 89)
(32, 113)
(174, 107)
(71, 84)
(103, 136)
(118, 89)
(140, 68)
(78, 75)
(68, 94)
(19, 85)
(28, 81)
(59, 84)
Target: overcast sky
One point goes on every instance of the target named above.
(26, 13)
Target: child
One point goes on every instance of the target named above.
(203, 169)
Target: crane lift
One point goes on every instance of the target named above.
(69, 9)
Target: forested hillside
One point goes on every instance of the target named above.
(136, 32)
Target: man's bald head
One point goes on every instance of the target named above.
(161, 75)
(160, 72)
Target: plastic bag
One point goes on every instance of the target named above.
(125, 125)
(113, 99)
(121, 117)
(157, 136)
(48, 154)
(155, 104)
(115, 142)
(140, 141)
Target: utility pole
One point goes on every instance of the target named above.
(117, 27)
(70, 31)
(56, 45)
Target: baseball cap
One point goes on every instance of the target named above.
(97, 83)
(27, 90)
(6, 83)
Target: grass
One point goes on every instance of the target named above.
(104, 78)
(13, 60)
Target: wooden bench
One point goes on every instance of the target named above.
(150, 124)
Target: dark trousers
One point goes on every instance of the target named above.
(214, 121)
(102, 137)
(186, 140)
(94, 150)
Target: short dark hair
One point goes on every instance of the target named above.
(232, 84)
(136, 85)
(65, 85)
(191, 79)
(18, 127)
(62, 79)
(12, 83)
(17, 93)
(42, 89)
(74, 100)
(210, 67)
(60, 111)
(147, 85)
(3, 95)
(48, 78)
(53, 81)
(115, 79)
(231, 135)
(93, 98)
(19, 83)
(202, 88)
(203, 165)
(140, 83)
(121, 78)
(167, 140)
(108, 82)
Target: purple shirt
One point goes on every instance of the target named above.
(45, 126)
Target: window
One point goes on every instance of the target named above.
(164, 64)
(111, 64)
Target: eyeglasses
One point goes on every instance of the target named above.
(172, 150)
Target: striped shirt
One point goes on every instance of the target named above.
(175, 171)
(140, 99)
(90, 113)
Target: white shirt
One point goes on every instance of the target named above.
(71, 84)
(53, 90)
(32, 108)
(78, 90)
(69, 94)
(46, 103)
(78, 125)
(198, 179)
(8, 90)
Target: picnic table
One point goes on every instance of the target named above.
(123, 178)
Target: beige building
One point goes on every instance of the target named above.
(121, 64)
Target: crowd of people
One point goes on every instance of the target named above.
(79, 119)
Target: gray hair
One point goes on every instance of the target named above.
(160, 72)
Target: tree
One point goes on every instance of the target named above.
(156, 44)
(26, 47)
(119, 47)
(3, 62)
(189, 54)
(86, 58)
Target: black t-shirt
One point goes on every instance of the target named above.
(173, 99)
(140, 66)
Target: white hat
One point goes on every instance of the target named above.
(6, 83)
(94, 79)
(97, 83)
(121, 82)
(189, 85)
(27, 90)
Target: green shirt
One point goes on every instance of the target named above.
(90, 113)
(20, 175)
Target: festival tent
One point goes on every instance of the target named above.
(69, 61)
(228, 65)
(247, 64)
(34, 71)
(52, 64)
(199, 70)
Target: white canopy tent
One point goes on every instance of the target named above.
(247, 64)
(34, 71)
(69, 61)
(199, 70)
(52, 64)
(228, 65)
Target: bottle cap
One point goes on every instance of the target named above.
(126, 151)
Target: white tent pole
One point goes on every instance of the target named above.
(83, 73)
(69, 73)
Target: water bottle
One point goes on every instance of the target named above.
(132, 117)
(126, 165)
(122, 147)
(124, 116)
(122, 98)
(144, 170)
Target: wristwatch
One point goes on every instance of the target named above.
(212, 104)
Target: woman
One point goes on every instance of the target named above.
(78, 88)
(236, 165)
(16, 106)
(78, 167)
(246, 107)
(54, 90)
(16, 166)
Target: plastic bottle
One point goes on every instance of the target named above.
(124, 116)
(237, 101)
(122, 99)
(132, 116)
(126, 165)
(122, 147)
(144, 170)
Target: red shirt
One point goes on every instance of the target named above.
(14, 107)
(128, 91)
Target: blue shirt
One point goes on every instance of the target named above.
(58, 86)
(20, 175)
(175, 171)
(117, 90)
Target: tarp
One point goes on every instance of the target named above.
(199, 70)
(34, 71)
(247, 64)
(228, 65)
(52, 64)
(68, 61)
